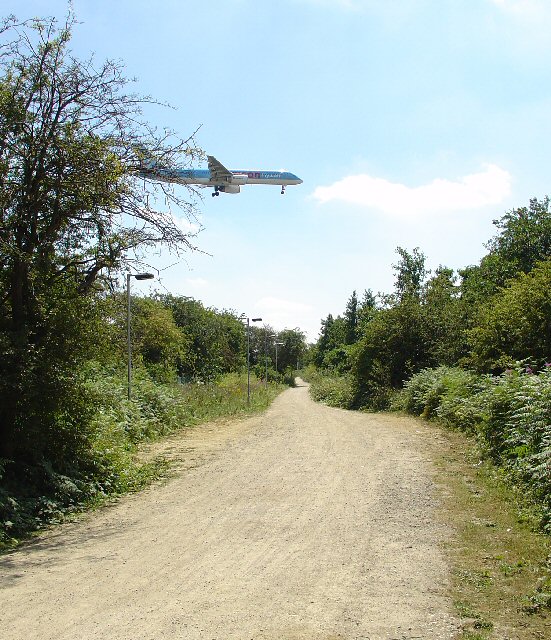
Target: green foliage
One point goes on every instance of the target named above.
(394, 345)
(515, 324)
(524, 238)
(425, 392)
(212, 342)
(332, 336)
(351, 319)
(410, 273)
(510, 414)
(72, 214)
(333, 390)
(291, 350)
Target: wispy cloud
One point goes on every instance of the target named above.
(488, 187)
(531, 19)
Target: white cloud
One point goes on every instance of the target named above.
(489, 187)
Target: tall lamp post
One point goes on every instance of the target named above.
(138, 276)
(297, 330)
(249, 320)
(276, 344)
(266, 355)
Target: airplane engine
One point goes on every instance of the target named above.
(230, 188)
(239, 178)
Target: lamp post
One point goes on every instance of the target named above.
(266, 355)
(138, 276)
(277, 343)
(249, 320)
(297, 330)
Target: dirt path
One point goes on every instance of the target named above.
(303, 523)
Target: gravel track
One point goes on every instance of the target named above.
(303, 523)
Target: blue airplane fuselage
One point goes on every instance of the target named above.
(204, 177)
(217, 176)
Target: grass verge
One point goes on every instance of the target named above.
(501, 564)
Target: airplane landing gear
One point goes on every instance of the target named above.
(282, 189)
(215, 192)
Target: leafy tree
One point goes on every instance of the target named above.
(331, 341)
(323, 343)
(524, 238)
(214, 341)
(445, 318)
(410, 273)
(293, 349)
(515, 324)
(73, 212)
(156, 338)
(394, 345)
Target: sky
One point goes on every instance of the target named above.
(413, 123)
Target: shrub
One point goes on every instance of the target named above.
(510, 414)
(333, 390)
(426, 391)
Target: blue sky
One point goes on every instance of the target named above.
(413, 123)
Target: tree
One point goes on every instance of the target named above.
(410, 273)
(515, 324)
(214, 341)
(293, 349)
(73, 213)
(156, 338)
(351, 319)
(445, 318)
(330, 350)
(524, 239)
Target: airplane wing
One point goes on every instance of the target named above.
(218, 171)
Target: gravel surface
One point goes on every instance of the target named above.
(303, 523)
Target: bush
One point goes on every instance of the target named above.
(426, 391)
(510, 414)
(333, 390)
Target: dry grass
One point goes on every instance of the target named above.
(501, 565)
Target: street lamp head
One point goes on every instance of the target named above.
(142, 276)
(256, 319)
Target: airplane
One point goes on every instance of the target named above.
(217, 176)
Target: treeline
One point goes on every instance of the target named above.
(477, 340)
(176, 338)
